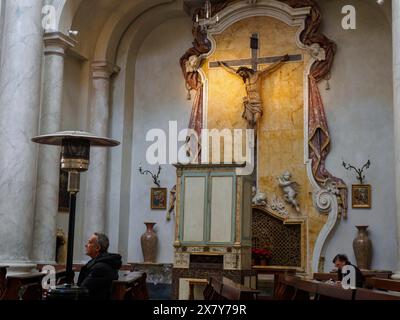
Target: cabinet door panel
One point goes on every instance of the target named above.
(221, 209)
(194, 208)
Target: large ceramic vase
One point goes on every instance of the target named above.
(362, 246)
(149, 242)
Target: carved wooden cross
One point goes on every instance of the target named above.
(255, 61)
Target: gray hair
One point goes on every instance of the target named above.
(102, 241)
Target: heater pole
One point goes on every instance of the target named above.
(71, 232)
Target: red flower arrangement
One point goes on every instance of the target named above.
(259, 253)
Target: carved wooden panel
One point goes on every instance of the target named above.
(283, 240)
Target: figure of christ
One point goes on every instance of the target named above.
(253, 109)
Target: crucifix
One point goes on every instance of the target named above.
(252, 77)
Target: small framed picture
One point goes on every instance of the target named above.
(361, 196)
(159, 198)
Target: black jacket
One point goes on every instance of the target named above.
(98, 274)
(359, 276)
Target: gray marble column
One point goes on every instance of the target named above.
(44, 236)
(20, 80)
(95, 206)
(396, 110)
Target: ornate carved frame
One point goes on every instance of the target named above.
(330, 193)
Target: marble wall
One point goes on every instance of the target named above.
(1, 23)
(359, 108)
(159, 96)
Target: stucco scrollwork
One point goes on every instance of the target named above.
(323, 198)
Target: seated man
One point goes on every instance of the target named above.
(98, 274)
(340, 261)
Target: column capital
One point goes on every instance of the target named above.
(103, 69)
(57, 43)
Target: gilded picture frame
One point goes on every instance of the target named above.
(361, 196)
(158, 199)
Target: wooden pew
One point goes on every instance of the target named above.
(367, 274)
(295, 288)
(305, 290)
(276, 271)
(130, 287)
(216, 290)
(383, 284)
(3, 274)
(285, 288)
(333, 292)
(236, 291)
(366, 294)
(325, 276)
(23, 287)
(213, 290)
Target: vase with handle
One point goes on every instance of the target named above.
(362, 246)
(149, 242)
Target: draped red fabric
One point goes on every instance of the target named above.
(201, 45)
(193, 81)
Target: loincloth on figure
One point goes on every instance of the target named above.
(252, 109)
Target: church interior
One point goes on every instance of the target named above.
(205, 150)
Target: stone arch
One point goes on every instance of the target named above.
(125, 57)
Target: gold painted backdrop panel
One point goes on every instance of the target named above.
(281, 129)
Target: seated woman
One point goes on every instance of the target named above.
(340, 261)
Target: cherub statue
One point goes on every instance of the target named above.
(259, 198)
(193, 63)
(290, 189)
(317, 52)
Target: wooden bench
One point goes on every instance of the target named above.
(275, 271)
(305, 290)
(23, 287)
(325, 276)
(285, 289)
(366, 294)
(294, 288)
(29, 286)
(3, 274)
(333, 292)
(216, 290)
(383, 284)
(213, 290)
(131, 286)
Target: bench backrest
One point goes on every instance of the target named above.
(383, 284)
(24, 287)
(132, 286)
(366, 294)
(216, 290)
(333, 292)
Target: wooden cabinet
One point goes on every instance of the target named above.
(213, 213)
